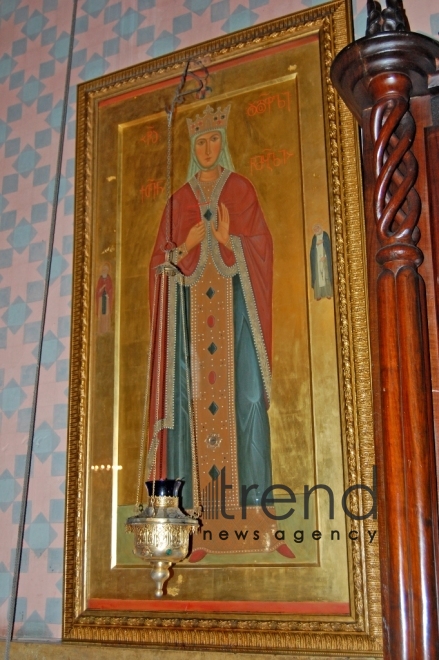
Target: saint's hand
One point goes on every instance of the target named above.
(222, 234)
(195, 235)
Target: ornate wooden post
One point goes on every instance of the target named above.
(377, 77)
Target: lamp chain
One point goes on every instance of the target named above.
(159, 298)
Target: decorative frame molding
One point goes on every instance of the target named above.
(362, 634)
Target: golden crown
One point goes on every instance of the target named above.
(210, 120)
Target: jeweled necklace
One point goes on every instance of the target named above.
(208, 188)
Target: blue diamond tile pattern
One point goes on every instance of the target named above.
(52, 349)
(22, 236)
(60, 48)
(5, 299)
(3, 202)
(241, 18)
(45, 441)
(11, 398)
(31, 90)
(16, 314)
(31, 332)
(19, 467)
(79, 57)
(182, 23)
(58, 464)
(37, 252)
(35, 291)
(9, 489)
(34, 25)
(43, 138)
(12, 147)
(197, 6)
(48, 36)
(94, 7)
(16, 80)
(6, 258)
(19, 47)
(26, 161)
(10, 183)
(111, 47)
(145, 4)
(64, 187)
(39, 535)
(8, 220)
(7, 65)
(28, 372)
(3, 338)
(55, 115)
(21, 607)
(95, 67)
(81, 24)
(212, 348)
(47, 69)
(145, 35)
(210, 292)
(5, 131)
(219, 11)
(41, 175)
(113, 13)
(213, 408)
(34, 628)
(7, 8)
(53, 610)
(45, 103)
(128, 23)
(39, 214)
(50, 5)
(56, 511)
(5, 579)
(14, 112)
(55, 559)
(25, 552)
(21, 15)
(57, 267)
(23, 420)
(165, 43)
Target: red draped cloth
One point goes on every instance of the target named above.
(246, 221)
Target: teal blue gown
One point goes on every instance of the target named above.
(252, 424)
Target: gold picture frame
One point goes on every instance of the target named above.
(292, 136)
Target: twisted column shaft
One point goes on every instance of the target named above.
(407, 434)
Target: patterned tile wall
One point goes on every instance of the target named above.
(34, 38)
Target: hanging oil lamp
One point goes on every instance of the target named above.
(161, 529)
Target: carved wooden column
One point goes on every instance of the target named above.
(377, 77)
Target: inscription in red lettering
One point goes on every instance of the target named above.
(267, 101)
(269, 159)
(151, 136)
(153, 189)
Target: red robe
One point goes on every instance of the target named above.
(246, 222)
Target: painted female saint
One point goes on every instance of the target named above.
(224, 251)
